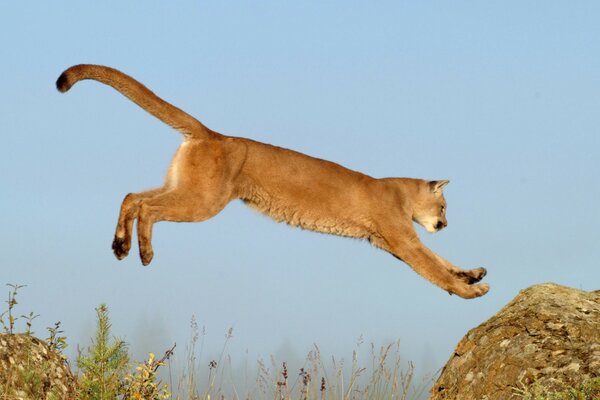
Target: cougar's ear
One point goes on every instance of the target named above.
(437, 186)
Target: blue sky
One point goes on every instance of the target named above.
(501, 98)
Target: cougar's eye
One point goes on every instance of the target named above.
(442, 209)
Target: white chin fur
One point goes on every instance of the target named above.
(430, 228)
(428, 225)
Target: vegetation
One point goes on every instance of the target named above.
(316, 379)
(30, 379)
(589, 390)
(9, 325)
(104, 371)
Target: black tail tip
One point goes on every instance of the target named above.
(62, 83)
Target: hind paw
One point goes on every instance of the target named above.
(146, 254)
(120, 247)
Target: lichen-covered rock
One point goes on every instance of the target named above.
(29, 369)
(549, 334)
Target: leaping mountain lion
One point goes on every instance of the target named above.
(210, 169)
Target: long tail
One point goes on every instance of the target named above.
(137, 93)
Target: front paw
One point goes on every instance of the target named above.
(472, 276)
(478, 273)
(479, 290)
(120, 247)
(471, 291)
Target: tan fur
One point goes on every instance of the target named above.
(209, 170)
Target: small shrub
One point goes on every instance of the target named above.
(107, 374)
(142, 384)
(104, 366)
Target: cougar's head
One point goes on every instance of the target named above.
(429, 209)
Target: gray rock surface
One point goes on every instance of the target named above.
(548, 334)
(29, 369)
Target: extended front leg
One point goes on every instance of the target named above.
(469, 276)
(429, 265)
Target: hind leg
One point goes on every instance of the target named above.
(129, 211)
(171, 206)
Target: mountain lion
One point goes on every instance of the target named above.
(210, 169)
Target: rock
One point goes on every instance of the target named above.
(549, 334)
(30, 369)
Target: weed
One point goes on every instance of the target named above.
(386, 378)
(142, 384)
(9, 326)
(55, 341)
(106, 373)
(588, 390)
(28, 369)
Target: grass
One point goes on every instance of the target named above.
(384, 376)
(588, 390)
(104, 371)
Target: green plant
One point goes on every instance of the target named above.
(106, 373)
(32, 371)
(104, 366)
(105, 370)
(588, 390)
(55, 341)
(31, 381)
(12, 302)
(8, 326)
(142, 384)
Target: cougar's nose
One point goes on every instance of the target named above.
(441, 224)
